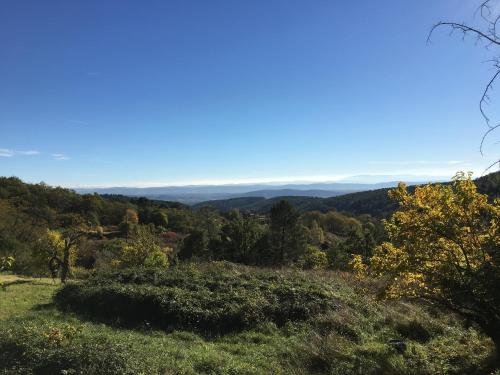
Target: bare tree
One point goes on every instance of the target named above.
(489, 36)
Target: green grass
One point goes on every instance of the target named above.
(350, 339)
(22, 293)
(29, 317)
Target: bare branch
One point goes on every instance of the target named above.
(491, 37)
(491, 166)
(484, 100)
(491, 129)
(484, 10)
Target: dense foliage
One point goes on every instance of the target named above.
(212, 299)
(445, 247)
(47, 349)
(40, 224)
(54, 231)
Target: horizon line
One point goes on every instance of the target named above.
(343, 179)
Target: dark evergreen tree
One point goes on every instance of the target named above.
(288, 238)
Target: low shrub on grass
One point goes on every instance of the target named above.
(214, 299)
(47, 350)
(351, 339)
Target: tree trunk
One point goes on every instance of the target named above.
(495, 337)
(282, 247)
(65, 262)
(492, 330)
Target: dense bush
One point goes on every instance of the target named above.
(47, 350)
(313, 258)
(213, 299)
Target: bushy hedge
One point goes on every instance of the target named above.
(213, 299)
(48, 350)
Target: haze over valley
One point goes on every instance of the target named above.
(192, 194)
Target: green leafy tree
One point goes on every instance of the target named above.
(144, 249)
(288, 237)
(194, 245)
(238, 239)
(19, 232)
(159, 219)
(180, 220)
(339, 224)
(209, 220)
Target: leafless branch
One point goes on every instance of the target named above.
(491, 129)
(465, 29)
(491, 37)
(485, 99)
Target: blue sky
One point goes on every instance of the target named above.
(145, 93)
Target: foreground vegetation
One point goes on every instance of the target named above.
(148, 287)
(208, 300)
(351, 336)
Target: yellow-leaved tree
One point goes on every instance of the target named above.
(444, 246)
(144, 249)
(5, 264)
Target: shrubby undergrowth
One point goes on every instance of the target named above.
(213, 299)
(351, 337)
(47, 349)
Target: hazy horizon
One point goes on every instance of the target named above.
(362, 179)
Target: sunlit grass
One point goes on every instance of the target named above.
(353, 339)
(21, 294)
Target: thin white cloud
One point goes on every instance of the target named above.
(29, 152)
(60, 156)
(417, 162)
(7, 152)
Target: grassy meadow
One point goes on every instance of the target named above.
(349, 335)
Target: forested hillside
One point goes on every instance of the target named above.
(373, 202)
(114, 229)
(301, 284)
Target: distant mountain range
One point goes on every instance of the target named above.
(351, 198)
(199, 193)
(375, 202)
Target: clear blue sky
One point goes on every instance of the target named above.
(150, 92)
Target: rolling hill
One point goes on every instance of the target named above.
(193, 194)
(374, 202)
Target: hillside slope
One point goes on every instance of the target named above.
(373, 202)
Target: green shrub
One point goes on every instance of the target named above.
(313, 258)
(47, 350)
(214, 299)
(414, 330)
